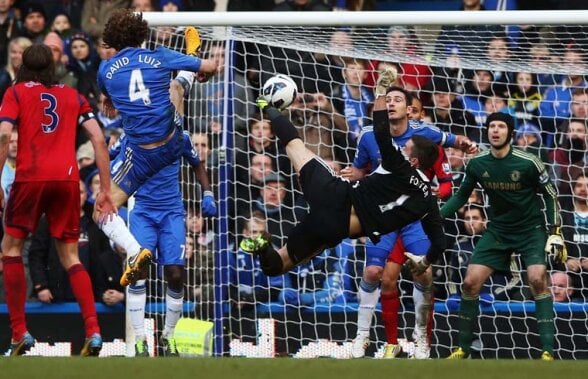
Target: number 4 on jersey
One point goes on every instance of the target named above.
(137, 90)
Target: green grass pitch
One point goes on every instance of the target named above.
(284, 368)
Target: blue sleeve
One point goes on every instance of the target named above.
(189, 152)
(178, 61)
(438, 136)
(116, 148)
(362, 155)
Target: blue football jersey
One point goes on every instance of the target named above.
(367, 148)
(137, 81)
(162, 191)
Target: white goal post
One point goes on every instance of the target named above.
(313, 48)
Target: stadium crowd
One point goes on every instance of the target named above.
(331, 112)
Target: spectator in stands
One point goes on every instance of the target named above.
(476, 91)
(402, 41)
(200, 266)
(14, 59)
(63, 75)
(542, 59)
(249, 285)
(250, 5)
(497, 103)
(62, 26)
(555, 106)
(83, 63)
(85, 155)
(108, 270)
(323, 130)
(341, 39)
(525, 97)
(498, 54)
(528, 138)
(10, 28)
(570, 157)
(34, 22)
(448, 113)
(301, 6)
(209, 107)
(468, 38)
(95, 13)
(276, 202)
(561, 287)
(143, 6)
(356, 98)
(324, 280)
(249, 177)
(575, 231)
(579, 110)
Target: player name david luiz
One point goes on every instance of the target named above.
(121, 62)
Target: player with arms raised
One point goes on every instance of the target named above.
(511, 179)
(47, 181)
(383, 266)
(136, 82)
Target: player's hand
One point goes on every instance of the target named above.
(466, 145)
(352, 173)
(208, 204)
(105, 207)
(417, 264)
(386, 78)
(261, 102)
(108, 108)
(45, 296)
(556, 246)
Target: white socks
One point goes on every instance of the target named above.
(423, 303)
(173, 311)
(137, 295)
(117, 231)
(367, 304)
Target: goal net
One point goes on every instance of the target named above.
(460, 73)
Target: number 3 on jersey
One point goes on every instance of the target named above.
(49, 112)
(137, 90)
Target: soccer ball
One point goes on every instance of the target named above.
(279, 91)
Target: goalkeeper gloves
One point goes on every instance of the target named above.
(261, 102)
(556, 246)
(386, 78)
(417, 264)
(208, 204)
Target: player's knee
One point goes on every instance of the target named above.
(471, 286)
(389, 284)
(538, 284)
(373, 274)
(174, 277)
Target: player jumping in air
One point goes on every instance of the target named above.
(136, 82)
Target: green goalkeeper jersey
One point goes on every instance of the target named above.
(512, 184)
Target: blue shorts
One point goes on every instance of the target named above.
(162, 232)
(134, 165)
(413, 236)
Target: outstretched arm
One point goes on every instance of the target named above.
(392, 158)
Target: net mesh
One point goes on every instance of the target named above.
(460, 74)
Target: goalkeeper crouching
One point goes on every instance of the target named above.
(512, 180)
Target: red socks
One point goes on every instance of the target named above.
(390, 304)
(82, 290)
(15, 285)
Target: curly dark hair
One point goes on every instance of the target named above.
(37, 66)
(125, 28)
